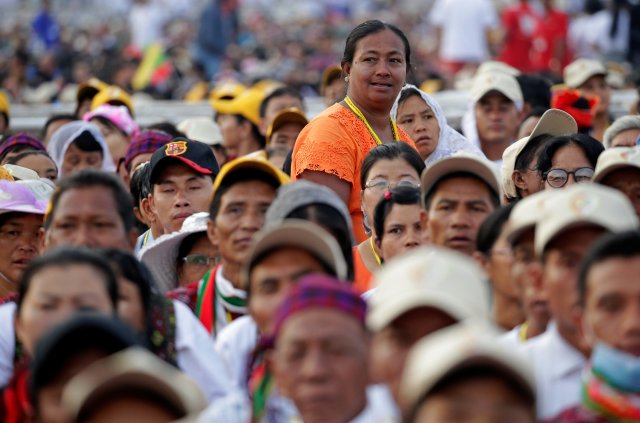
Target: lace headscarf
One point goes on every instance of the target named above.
(450, 140)
(66, 134)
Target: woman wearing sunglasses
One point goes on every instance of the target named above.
(568, 160)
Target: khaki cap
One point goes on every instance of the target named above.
(527, 213)
(461, 162)
(492, 66)
(289, 115)
(577, 72)
(201, 128)
(581, 204)
(258, 164)
(429, 277)
(616, 158)
(459, 347)
(502, 82)
(554, 122)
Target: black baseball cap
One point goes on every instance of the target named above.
(195, 154)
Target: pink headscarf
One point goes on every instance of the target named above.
(118, 115)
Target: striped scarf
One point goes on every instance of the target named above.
(209, 294)
(605, 400)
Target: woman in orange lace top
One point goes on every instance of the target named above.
(331, 148)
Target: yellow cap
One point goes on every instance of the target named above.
(112, 95)
(4, 103)
(90, 88)
(254, 162)
(431, 86)
(246, 104)
(290, 115)
(226, 90)
(267, 86)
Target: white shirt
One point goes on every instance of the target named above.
(7, 342)
(464, 25)
(235, 344)
(558, 369)
(511, 339)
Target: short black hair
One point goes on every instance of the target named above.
(428, 196)
(279, 92)
(390, 151)
(255, 130)
(56, 118)
(86, 141)
(94, 178)
(591, 147)
(125, 264)
(399, 195)
(529, 155)
(235, 177)
(408, 93)
(15, 159)
(139, 184)
(609, 246)
(491, 228)
(535, 90)
(167, 127)
(67, 256)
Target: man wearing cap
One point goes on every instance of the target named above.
(578, 216)
(497, 105)
(282, 134)
(332, 86)
(181, 178)
(459, 192)
(85, 94)
(113, 95)
(619, 168)
(463, 374)
(320, 358)
(519, 175)
(609, 294)
(623, 132)
(420, 293)
(589, 77)
(282, 98)
(243, 191)
(20, 237)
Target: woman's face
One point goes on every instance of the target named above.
(42, 164)
(569, 158)
(403, 231)
(198, 261)
(417, 119)
(75, 160)
(20, 243)
(117, 141)
(378, 70)
(130, 307)
(383, 175)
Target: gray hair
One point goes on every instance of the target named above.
(620, 125)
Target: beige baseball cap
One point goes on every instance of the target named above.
(554, 122)
(303, 235)
(429, 277)
(527, 213)
(461, 162)
(577, 72)
(457, 348)
(502, 82)
(201, 128)
(616, 158)
(580, 204)
(491, 66)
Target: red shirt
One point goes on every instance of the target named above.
(520, 23)
(550, 34)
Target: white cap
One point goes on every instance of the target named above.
(20, 172)
(580, 204)
(554, 122)
(459, 347)
(616, 158)
(429, 277)
(527, 213)
(161, 256)
(492, 66)
(577, 72)
(202, 129)
(132, 369)
(461, 162)
(504, 83)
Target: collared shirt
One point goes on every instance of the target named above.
(143, 240)
(235, 344)
(557, 366)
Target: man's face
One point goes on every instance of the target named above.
(275, 106)
(627, 181)
(271, 280)
(178, 193)
(20, 242)
(497, 119)
(560, 273)
(232, 130)
(457, 209)
(241, 215)
(88, 217)
(612, 304)
(626, 138)
(321, 364)
(390, 346)
(285, 136)
(597, 86)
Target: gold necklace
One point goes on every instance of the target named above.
(358, 113)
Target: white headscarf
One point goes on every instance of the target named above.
(450, 141)
(66, 134)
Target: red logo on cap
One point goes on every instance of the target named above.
(176, 148)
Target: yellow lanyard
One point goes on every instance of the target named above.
(358, 113)
(522, 335)
(373, 250)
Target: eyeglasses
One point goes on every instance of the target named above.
(382, 185)
(199, 260)
(557, 178)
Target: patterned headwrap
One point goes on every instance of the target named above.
(146, 142)
(21, 138)
(117, 115)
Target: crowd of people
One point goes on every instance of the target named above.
(369, 264)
